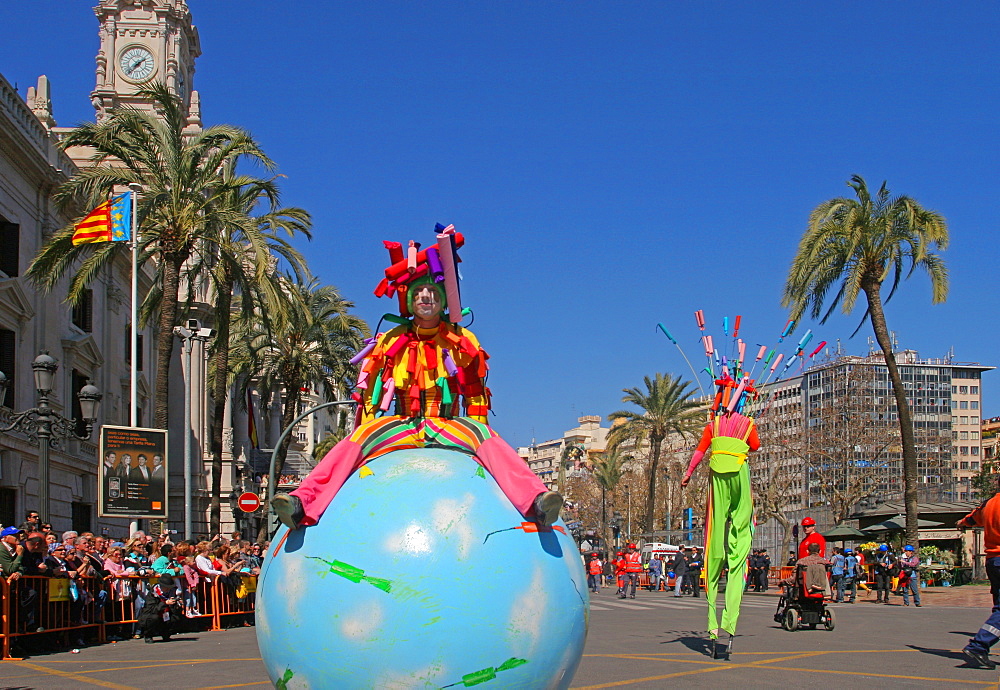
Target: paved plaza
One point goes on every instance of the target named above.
(654, 641)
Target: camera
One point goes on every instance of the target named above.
(171, 531)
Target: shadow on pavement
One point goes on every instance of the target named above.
(694, 640)
(945, 653)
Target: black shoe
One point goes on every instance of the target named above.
(288, 508)
(547, 506)
(981, 659)
(917, 605)
(149, 640)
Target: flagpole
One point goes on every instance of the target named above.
(135, 188)
(134, 339)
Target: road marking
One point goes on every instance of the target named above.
(238, 685)
(652, 678)
(622, 605)
(760, 664)
(876, 675)
(74, 676)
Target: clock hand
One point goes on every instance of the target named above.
(136, 64)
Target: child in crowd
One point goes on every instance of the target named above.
(192, 577)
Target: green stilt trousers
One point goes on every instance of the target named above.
(729, 501)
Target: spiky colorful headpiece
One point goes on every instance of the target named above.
(436, 265)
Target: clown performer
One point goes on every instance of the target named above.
(432, 372)
(730, 436)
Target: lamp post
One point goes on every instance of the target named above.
(628, 495)
(42, 425)
(193, 332)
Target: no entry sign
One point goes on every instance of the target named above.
(249, 502)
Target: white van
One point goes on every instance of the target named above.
(660, 549)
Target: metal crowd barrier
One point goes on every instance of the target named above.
(37, 605)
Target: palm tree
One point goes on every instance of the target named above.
(854, 246)
(240, 259)
(180, 176)
(312, 344)
(608, 470)
(666, 408)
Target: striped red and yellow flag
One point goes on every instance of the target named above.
(96, 227)
(109, 222)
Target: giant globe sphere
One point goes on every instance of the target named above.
(422, 574)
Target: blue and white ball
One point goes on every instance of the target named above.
(422, 574)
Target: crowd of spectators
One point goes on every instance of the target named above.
(101, 570)
(283, 480)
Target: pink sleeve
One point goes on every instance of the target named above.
(699, 453)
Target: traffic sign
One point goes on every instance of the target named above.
(249, 502)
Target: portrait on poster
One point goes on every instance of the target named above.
(132, 480)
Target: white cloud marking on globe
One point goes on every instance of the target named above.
(414, 540)
(296, 580)
(429, 466)
(527, 614)
(450, 517)
(361, 623)
(402, 680)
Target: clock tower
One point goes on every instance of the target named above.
(144, 41)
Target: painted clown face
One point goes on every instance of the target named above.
(427, 303)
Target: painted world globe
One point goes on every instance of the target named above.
(422, 574)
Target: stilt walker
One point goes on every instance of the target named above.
(730, 436)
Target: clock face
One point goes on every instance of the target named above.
(136, 64)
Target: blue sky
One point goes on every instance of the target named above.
(613, 165)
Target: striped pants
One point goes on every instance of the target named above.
(386, 434)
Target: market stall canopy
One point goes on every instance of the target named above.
(844, 532)
(898, 524)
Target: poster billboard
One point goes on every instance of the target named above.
(132, 477)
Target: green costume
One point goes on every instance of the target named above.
(729, 502)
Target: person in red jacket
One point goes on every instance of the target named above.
(812, 537)
(633, 566)
(619, 564)
(594, 569)
(986, 516)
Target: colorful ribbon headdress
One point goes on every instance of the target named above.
(435, 265)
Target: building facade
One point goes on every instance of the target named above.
(832, 432)
(149, 40)
(544, 458)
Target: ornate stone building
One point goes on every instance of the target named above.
(140, 40)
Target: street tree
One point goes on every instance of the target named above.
(608, 470)
(242, 264)
(309, 346)
(180, 175)
(665, 407)
(854, 247)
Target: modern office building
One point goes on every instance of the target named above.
(833, 433)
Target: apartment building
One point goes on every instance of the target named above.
(543, 458)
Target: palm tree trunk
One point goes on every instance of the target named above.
(220, 391)
(288, 414)
(872, 290)
(654, 463)
(165, 339)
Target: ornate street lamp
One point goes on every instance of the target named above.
(45, 427)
